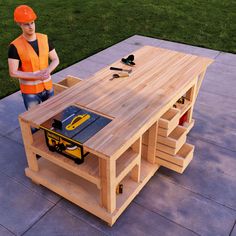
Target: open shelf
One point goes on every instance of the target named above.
(65, 83)
(58, 88)
(132, 188)
(68, 185)
(88, 170)
(125, 163)
(183, 107)
(84, 193)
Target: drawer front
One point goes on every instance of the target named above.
(175, 139)
(169, 119)
(58, 88)
(169, 150)
(69, 81)
(168, 122)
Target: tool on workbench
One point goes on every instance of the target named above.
(129, 60)
(114, 76)
(120, 69)
(181, 100)
(78, 120)
(68, 130)
(119, 189)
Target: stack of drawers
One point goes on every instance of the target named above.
(172, 150)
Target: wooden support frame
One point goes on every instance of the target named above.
(107, 171)
(135, 172)
(152, 143)
(191, 96)
(28, 141)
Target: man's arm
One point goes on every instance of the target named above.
(54, 60)
(53, 64)
(13, 65)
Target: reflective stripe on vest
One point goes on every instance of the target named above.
(36, 86)
(31, 62)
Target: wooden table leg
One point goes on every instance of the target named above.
(199, 81)
(152, 143)
(107, 170)
(28, 141)
(191, 96)
(135, 172)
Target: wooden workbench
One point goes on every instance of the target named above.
(144, 133)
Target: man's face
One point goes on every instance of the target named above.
(28, 28)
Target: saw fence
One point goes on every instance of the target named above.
(150, 113)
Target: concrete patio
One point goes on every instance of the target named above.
(201, 201)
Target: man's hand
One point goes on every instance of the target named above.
(42, 74)
(45, 74)
(37, 75)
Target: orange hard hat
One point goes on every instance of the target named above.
(24, 14)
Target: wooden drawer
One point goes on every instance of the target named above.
(69, 81)
(176, 139)
(65, 83)
(168, 122)
(177, 162)
(58, 88)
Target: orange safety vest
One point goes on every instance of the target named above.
(31, 62)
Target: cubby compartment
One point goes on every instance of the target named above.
(58, 88)
(69, 81)
(65, 83)
(176, 139)
(176, 162)
(183, 107)
(125, 163)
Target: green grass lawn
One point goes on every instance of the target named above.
(80, 28)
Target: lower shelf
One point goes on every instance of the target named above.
(86, 194)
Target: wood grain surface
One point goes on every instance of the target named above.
(134, 103)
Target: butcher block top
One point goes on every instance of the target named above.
(133, 103)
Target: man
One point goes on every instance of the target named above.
(28, 58)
